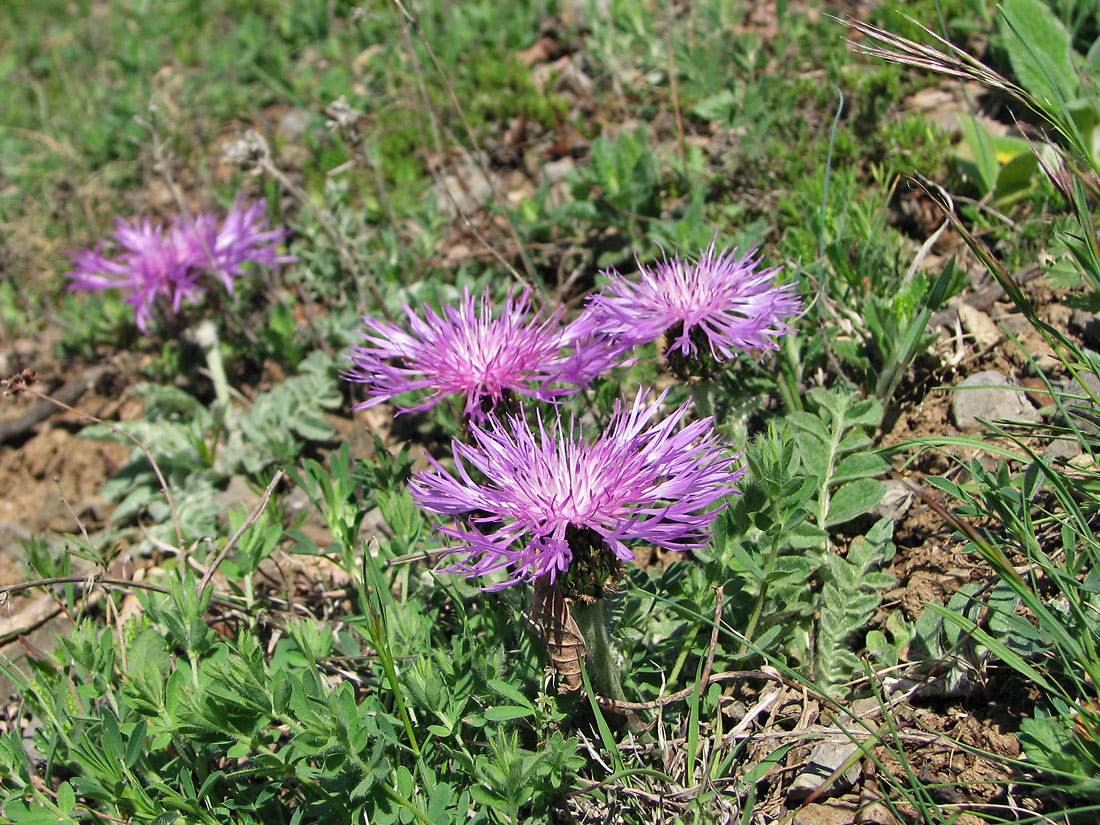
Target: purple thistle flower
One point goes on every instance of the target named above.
(468, 351)
(243, 236)
(546, 495)
(723, 300)
(149, 261)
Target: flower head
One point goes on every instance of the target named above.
(722, 302)
(469, 351)
(242, 236)
(544, 495)
(149, 261)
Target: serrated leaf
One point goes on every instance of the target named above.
(854, 499)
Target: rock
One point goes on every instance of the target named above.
(294, 123)
(1087, 325)
(1033, 349)
(979, 325)
(464, 189)
(984, 395)
(826, 757)
(895, 501)
(1063, 448)
(833, 812)
(1015, 323)
(238, 493)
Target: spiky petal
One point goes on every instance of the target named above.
(243, 236)
(524, 491)
(149, 261)
(469, 350)
(725, 299)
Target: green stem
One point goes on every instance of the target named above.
(206, 335)
(685, 649)
(790, 364)
(703, 395)
(757, 608)
(606, 677)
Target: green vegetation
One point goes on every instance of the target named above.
(293, 654)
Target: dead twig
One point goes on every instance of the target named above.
(261, 505)
(69, 393)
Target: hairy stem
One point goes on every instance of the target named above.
(758, 607)
(602, 658)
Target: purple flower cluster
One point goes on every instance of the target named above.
(527, 498)
(637, 480)
(150, 260)
(471, 352)
(726, 301)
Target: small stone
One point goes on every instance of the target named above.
(238, 493)
(979, 325)
(826, 757)
(1087, 325)
(833, 812)
(1015, 323)
(1063, 448)
(895, 500)
(984, 395)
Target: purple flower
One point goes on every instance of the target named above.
(723, 301)
(149, 261)
(243, 236)
(469, 351)
(535, 499)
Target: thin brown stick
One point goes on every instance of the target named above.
(724, 676)
(674, 88)
(337, 239)
(102, 581)
(229, 545)
(414, 20)
(68, 393)
(437, 142)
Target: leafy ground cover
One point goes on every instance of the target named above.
(222, 600)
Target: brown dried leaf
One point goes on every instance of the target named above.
(550, 615)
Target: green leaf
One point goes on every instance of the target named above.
(854, 499)
(810, 423)
(1039, 49)
(806, 536)
(504, 713)
(66, 798)
(977, 153)
(995, 647)
(860, 465)
(507, 690)
(719, 106)
(24, 813)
